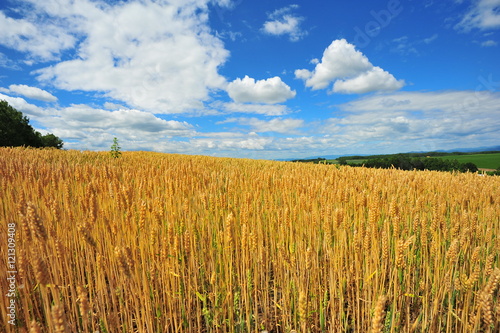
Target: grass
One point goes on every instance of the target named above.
(348, 161)
(486, 161)
(151, 242)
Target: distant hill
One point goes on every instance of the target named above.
(468, 150)
(455, 150)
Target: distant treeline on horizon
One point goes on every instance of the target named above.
(405, 161)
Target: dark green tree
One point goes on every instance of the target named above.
(468, 167)
(342, 161)
(15, 130)
(50, 140)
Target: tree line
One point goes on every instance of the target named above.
(16, 131)
(407, 162)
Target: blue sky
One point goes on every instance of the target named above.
(257, 79)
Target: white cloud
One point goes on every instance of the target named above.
(419, 120)
(227, 144)
(270, 91)
(452, 102)
(283, 22)
(277, 125)
(250, 144)
(21, 105)
(391, 122)
(83, 117)
(404, 46)
(262, 109)
(32, 92)
(489, 43)
(483, 14)
(375, 79)
(430, 39)
(401, 121)
(152, 55)
(114, 106)
(94, 128)
(43, 41)
(5, 62)
(341, 61)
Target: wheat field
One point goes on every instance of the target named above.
(153, 242)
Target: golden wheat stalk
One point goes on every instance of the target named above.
(378, 319)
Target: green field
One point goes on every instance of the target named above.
(483, 161)
(348, 161)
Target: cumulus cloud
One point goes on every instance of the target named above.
(284, 22)
(245, 142)
(339, 60)
(270, 91)
(403, 121)
(20, 104)
(277, 125)
(152, 55)
(374, 79)
(43, 40)
(420, 120)
(483, 14)
(261, 109)
(32, 92)
(83, 117)
(85, 127)
(349, 69)
(451, 102)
